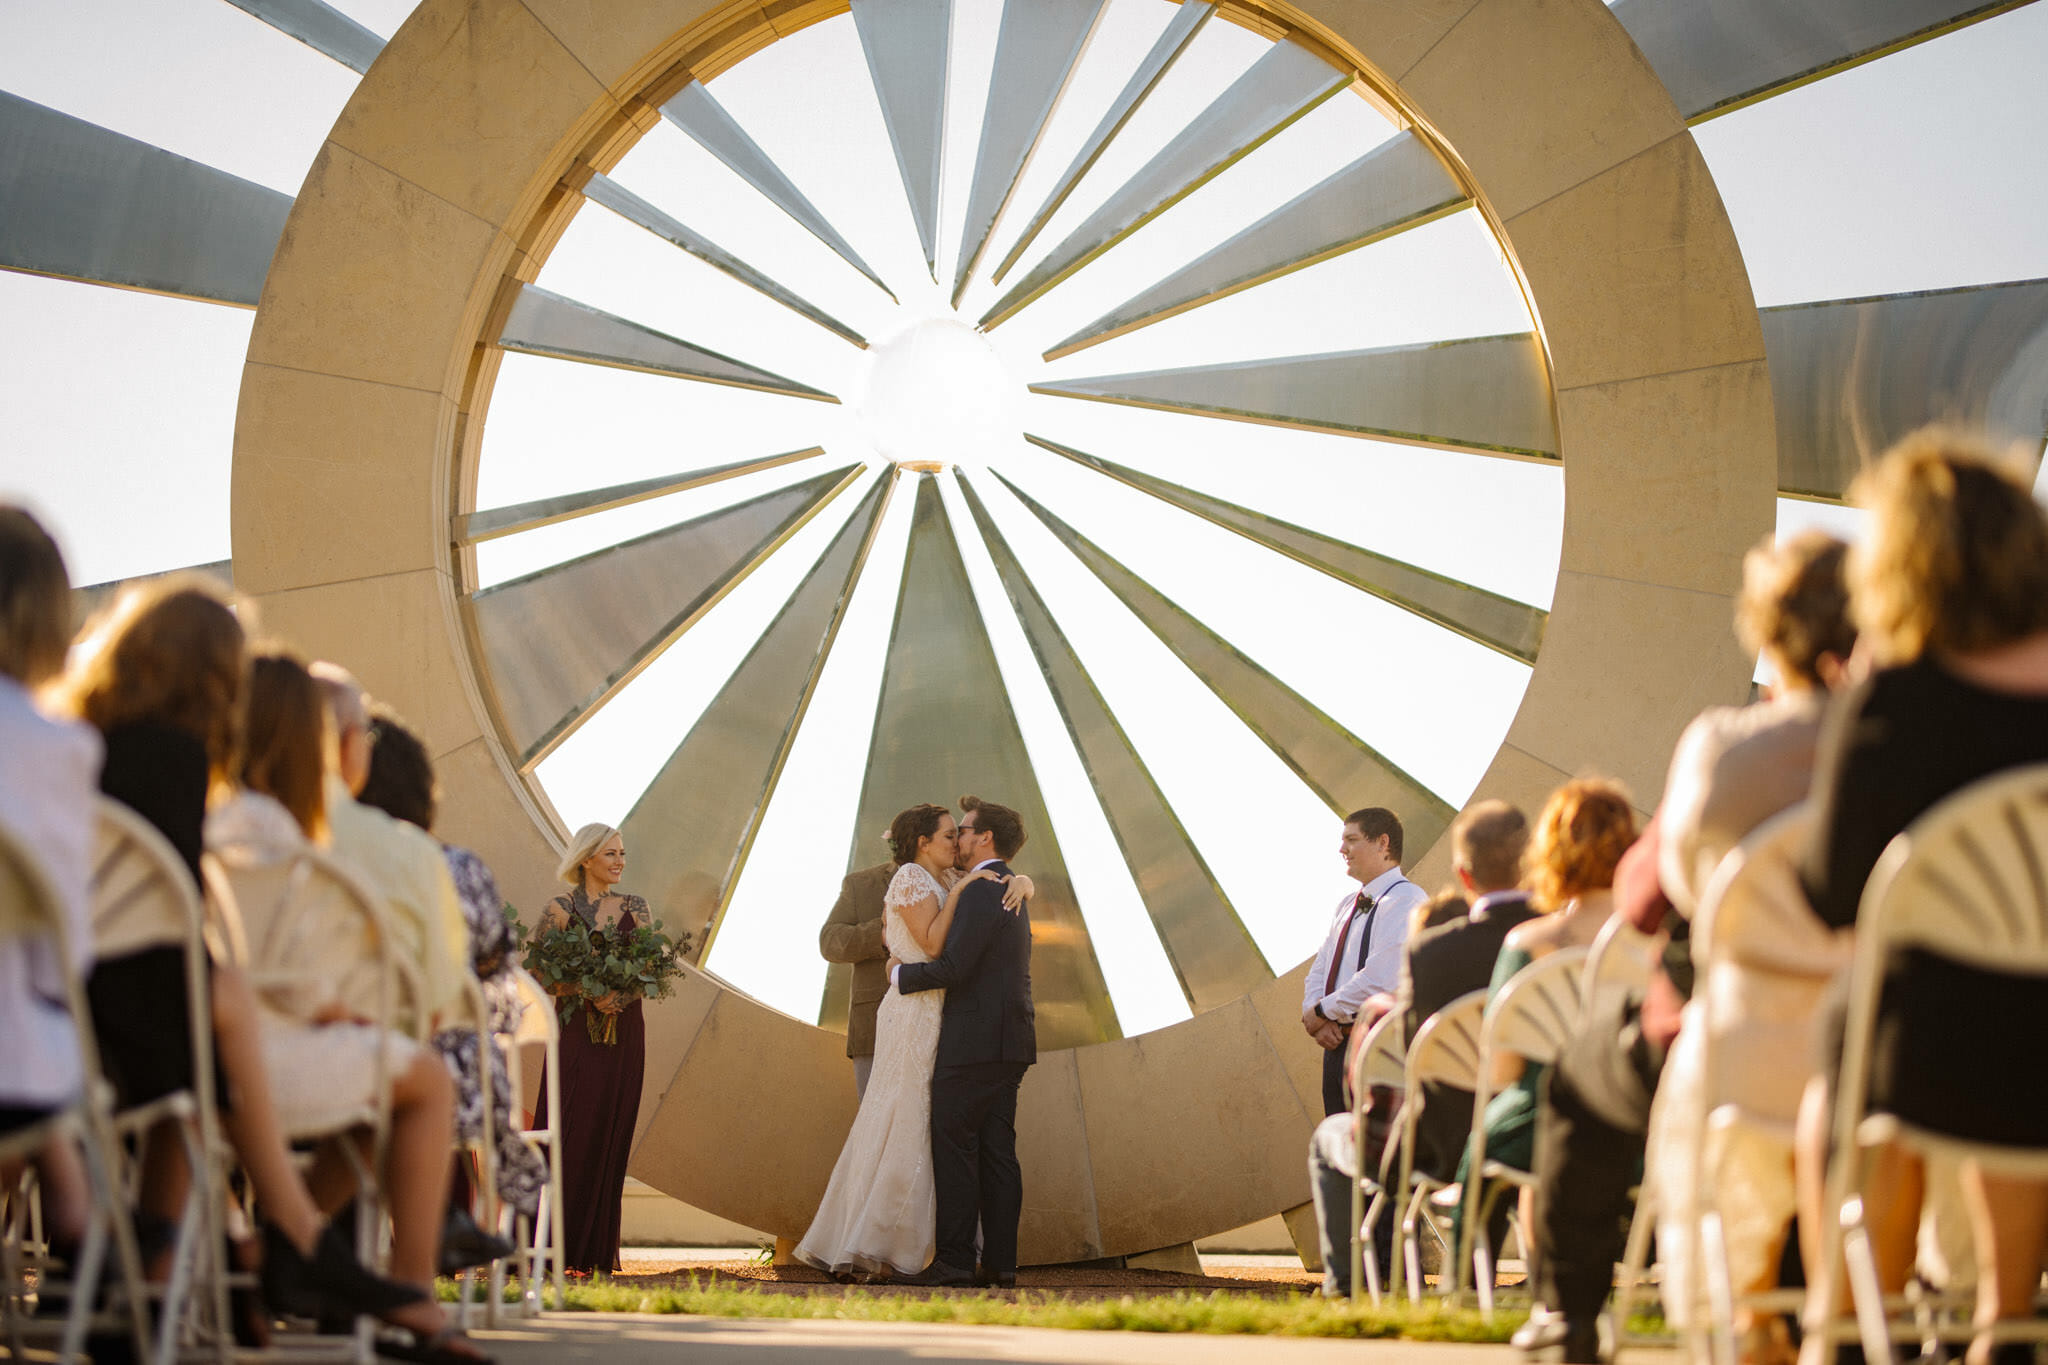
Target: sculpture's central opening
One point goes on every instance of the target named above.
(937, 393)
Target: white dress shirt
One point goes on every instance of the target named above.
(1372, 951)
(48, 787)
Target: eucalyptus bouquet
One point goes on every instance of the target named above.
(579, 964)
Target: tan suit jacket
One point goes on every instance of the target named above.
(853, 934)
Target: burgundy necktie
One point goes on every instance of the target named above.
(1358, 907)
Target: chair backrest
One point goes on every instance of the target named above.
(142, 895)
(1621, 955)
(1446, 1047)
(1967, 881)
(1537, 1009)
(1755, 911)
(1379, 1059)
(537, 1023)
(29, 904)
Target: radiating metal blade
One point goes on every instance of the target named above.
(1280, 87)
(319, 26)
(1850, 376)
(1488, 394)
(693, 827)
(1718, 55)
(1036, 50)
(1173, 40)
(1339, 767)
(88, 598)
(477, 527)
(1212, 953)
(602, 189)
(1396, 186)
(944, 728)
(561, 642)
(83, 203)
(1500, 623)
(697, 112)
(908, 44)
(543, 323)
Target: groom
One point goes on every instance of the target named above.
(987, 1038)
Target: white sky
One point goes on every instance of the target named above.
(1908, 173)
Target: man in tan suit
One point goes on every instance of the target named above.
(853, 935)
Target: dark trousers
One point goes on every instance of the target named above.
(1591, 1124)
(974, 1163)
(1333, 1079)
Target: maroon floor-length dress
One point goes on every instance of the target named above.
(600, 1101)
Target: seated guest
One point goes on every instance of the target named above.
(1734, 767)
(1585, 827)
(323, 1061)
(1950, 589)
(162, 680)
(401, 784)
(1486, 857)
(400, 862)
(47, 787)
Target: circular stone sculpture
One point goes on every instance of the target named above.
(455, 167)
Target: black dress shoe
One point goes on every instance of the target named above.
(939, 1275)
(464, 1244)
(329, 1281)
(1001, 1279)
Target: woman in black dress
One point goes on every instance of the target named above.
(1950, 592)
(600, 1082)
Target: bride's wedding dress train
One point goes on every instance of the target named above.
(880, 1209)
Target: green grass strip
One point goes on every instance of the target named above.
(1219, 1311)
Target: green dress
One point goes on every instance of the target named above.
(1511, 1113)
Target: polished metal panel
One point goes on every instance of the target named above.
(542, 323)
(83, 203)
(319, 26)
(1850, 376)
(693, 827)
(561, 641)
(1180, 30)
(1036, 51)
(602, 189)
(1484, 393)
(1396, 186)
(944, 728)
(1514, 628)
(476, 527)
(1342, 769)
(1717, 55)
(1279, 88)
(697, 112)
(908, 44)
(1213, 955)
(88, 598)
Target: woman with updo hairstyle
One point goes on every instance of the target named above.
(1585, 827)
(600, 1085)
(1950, 590)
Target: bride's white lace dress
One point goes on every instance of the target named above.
(879, 1212)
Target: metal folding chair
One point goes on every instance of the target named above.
(1378, 1061)
(1531, 1018)
(1444, 1051)
(540, 1242)
(29, 906)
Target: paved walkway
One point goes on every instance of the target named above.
(627, 1339)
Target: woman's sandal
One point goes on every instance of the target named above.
(432, 1348)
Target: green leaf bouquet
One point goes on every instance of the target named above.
(578, 964)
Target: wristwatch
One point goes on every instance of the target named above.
(1318, 1007)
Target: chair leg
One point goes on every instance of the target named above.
(1713, 1329)
(1634, 1265)
(1372, 1263)
(1866, 1295)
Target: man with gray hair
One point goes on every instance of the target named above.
(400, 863)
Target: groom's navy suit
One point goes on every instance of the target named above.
(987, 1037)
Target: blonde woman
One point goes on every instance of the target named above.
(600, 1085)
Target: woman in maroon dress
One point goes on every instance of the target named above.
(600, 1084)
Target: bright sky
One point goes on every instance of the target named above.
(1906, 173)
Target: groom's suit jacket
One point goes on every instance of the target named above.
(985, 970)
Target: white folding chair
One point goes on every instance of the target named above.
(1621, 955)
(143, 898)
(484, 1146)
(1965, 882)
(1757, 951)
(540, 1242)
(1531, 1017)
(287, 921)
(1444, 1051)
(30, 907)
(1378, 1061)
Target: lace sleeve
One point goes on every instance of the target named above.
(910, 885)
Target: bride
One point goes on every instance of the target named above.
(878, 1212)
